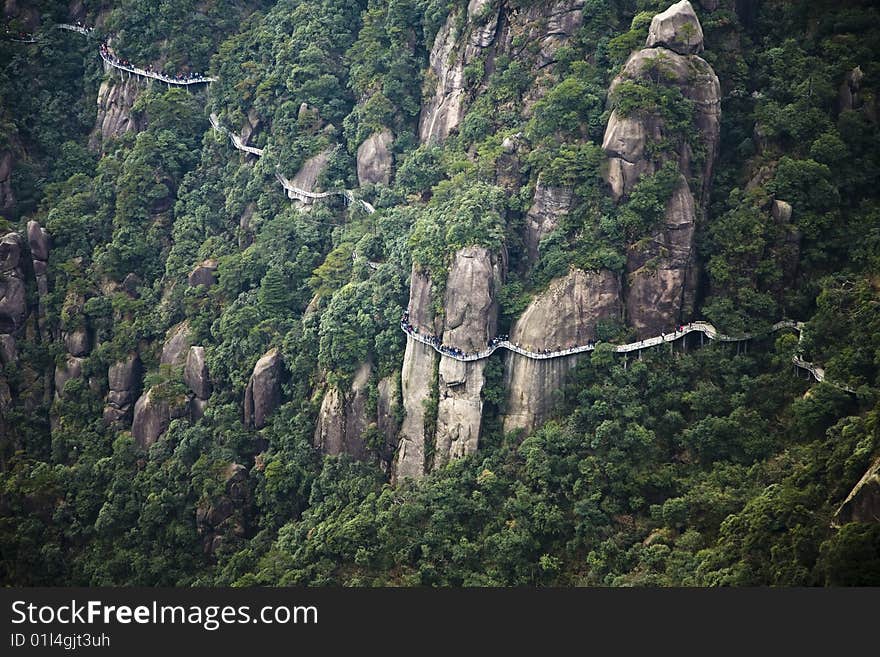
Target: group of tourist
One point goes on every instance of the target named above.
(438, 344)
(108, 54)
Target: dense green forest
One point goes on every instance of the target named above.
(204, 382)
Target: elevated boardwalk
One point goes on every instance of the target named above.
(704, 328)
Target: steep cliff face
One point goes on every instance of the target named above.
(470, 319)
(263, 392)
(661, 268)
(7, 197)
(116, 97)
(487, 31)
(548, 206)
(565, 314)
(343, 418)
(417, 381)
(374, 159)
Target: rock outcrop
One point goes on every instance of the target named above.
(343, 418)
(418, 380)
(661, 267)
(470, 319)
(7, 197)
(548, 206)
(307, 177)
(565, 314)
(38, 243)
(153, 414)
(13, 302)
(863, 502)
(124, 380)
(374, 159)
(678, 29)
(195, 373)
(205, 273)
(263, 393)
(72, 369)
(176, 346)
(116, 97)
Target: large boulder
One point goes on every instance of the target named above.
(195, 373)
(38, 241)
(10, 252)
(374, 158)
(13, 301)
(176, 346)
(116, 97)
(205, 273)
(343, 418)
(678, 29)
(263, 393)
(564, 315)
(72, 369)
(124, 381)
(153, 414)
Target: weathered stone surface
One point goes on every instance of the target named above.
(124, 382)
(153, 415)
(205, 273)
(863, 502)
(660, 270)
(343, 418)
(72, 369)
(678, 29)
(471, 315)
(13, 306)
(176, 345)
(417, 376)
(38, 241)
(549, 205)
(849, 93)
(8, 349)
(781, 211)
(7, 197)
(374, 159)
(10, 252)
(307, 177)
(263, 392)
(224, 514)
(564, 315)
(116, 97)
(195, 373)
(78, 342)
(386, 414)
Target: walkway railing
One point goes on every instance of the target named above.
(167, 79)
(704, 328)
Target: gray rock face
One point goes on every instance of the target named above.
(386, 415)
(195, 373)
(8, 349)
(863, 502)
(417, 376)
(13, 306)
(10, 252)
(176, 346)
(78, 342)
(263, 392)
(565, 314)
(307, 177)
(849, 92)
(661, 267)
(661, 270)
(449, 56)
(224, 514)
(678, 29)
(471, 319)
(374, 159)
(116, 97)
(72, 369)
(7, 197)
(343, 418)
(205, 273)
(548, 206)
(153, 415)
(124, 379)
(38, 241)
